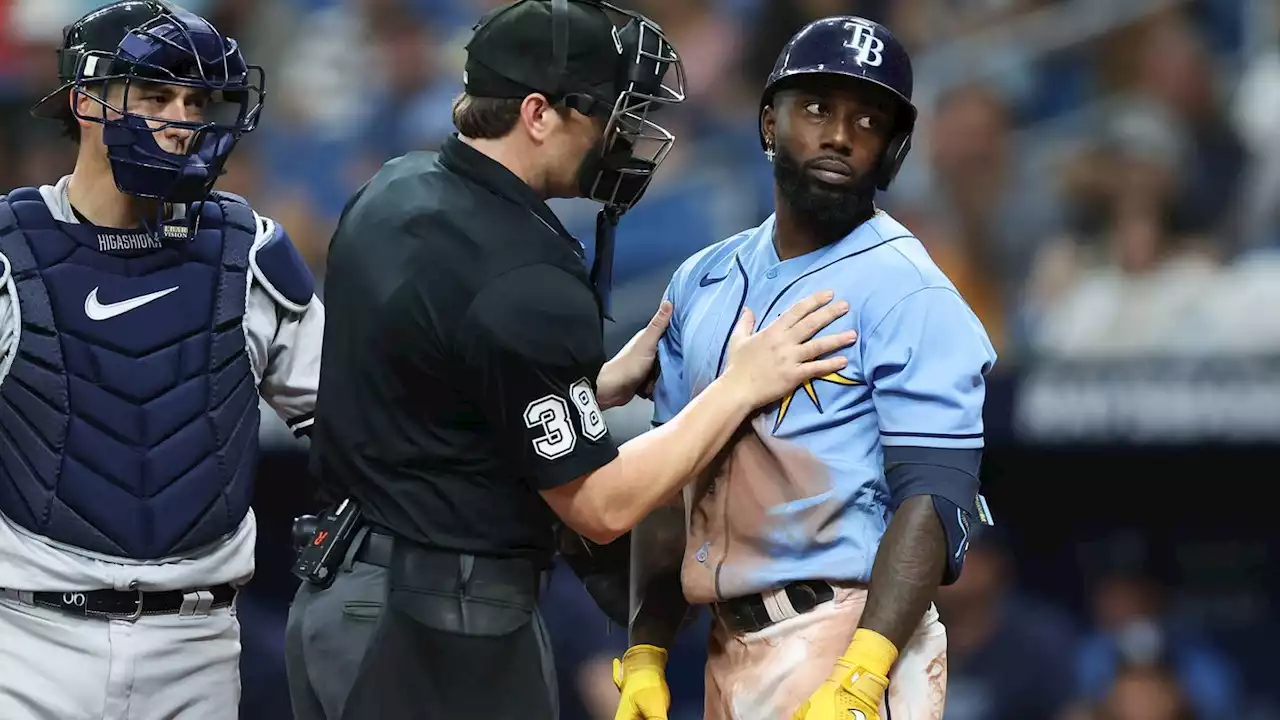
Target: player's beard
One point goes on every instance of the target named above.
(832, 211)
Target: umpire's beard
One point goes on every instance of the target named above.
(829, 211)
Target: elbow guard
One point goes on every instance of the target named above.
(605, 571)
(950, 478)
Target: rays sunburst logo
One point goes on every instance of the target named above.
(810, 388)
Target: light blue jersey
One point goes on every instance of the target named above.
(802, 495)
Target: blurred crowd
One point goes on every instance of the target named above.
(1100, 178)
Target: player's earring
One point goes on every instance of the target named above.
(768, 148)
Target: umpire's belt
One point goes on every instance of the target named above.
(373, 547)
(751, 613)
(513, 580)
(129, 605)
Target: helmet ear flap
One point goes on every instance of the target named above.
(895, 153)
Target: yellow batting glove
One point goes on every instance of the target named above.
(641, 676)
(858, 683)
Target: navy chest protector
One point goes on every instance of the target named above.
(129, 416)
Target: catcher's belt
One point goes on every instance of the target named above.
(130, 604)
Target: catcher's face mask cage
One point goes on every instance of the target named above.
(619, 169)
(179, 49)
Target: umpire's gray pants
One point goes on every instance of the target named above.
(327, 635)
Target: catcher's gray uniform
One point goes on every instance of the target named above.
(54, 664)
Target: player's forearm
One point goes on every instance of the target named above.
(658, 607)
(651, 468)
(908, 570)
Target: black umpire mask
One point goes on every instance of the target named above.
(832, 211)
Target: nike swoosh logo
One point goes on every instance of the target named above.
(708, 280)
(97, 311)
(858, 714)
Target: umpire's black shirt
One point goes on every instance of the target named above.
(461, 332)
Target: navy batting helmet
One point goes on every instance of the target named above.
(852, 47)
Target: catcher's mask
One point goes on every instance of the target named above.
(147, 47)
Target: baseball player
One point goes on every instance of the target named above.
(820, 538)
(141, 315)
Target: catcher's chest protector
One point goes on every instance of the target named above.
(129, 415)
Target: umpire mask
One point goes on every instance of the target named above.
(599, 69)
(618, 170)
(591, 65)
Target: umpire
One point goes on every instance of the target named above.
(464, 377)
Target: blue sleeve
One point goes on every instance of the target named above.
(926, 361)
(670, 392)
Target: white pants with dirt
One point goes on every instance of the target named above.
(767, 675)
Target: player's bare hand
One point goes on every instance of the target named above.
(635, 367)
(768, 365)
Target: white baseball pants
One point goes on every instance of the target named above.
(55, 666)
(768, 674)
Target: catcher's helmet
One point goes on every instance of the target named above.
(140, 42)
(857, 48)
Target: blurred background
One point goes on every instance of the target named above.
(1101, 180)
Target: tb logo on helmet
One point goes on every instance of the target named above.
(863, 41)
